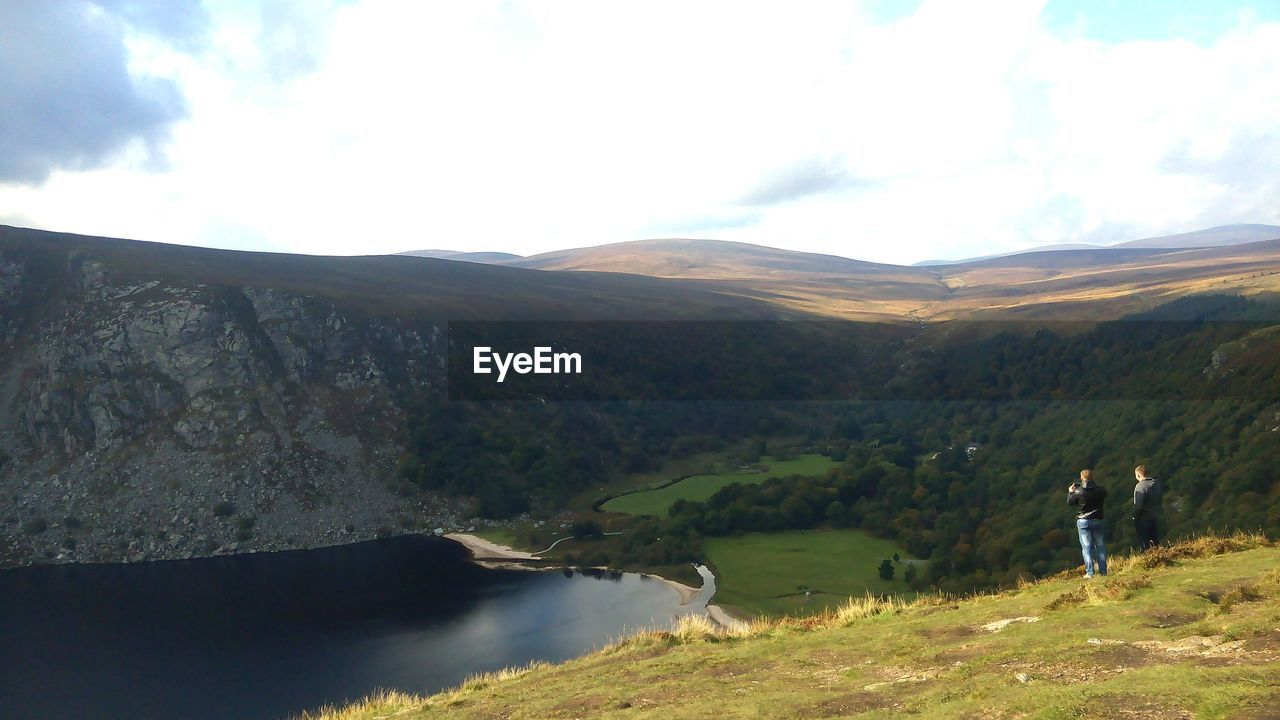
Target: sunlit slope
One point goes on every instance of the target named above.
(823, 284)
(1182, 633)
(700, 279)
(1081, 284)
(1096, 284)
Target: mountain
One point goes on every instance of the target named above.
(1179, 632)
(826, 285)
(161, 401)
(712, 259)
(1067, 283)
(1210, 237)
(1039, 248)
(495, 258)
(1095, 284)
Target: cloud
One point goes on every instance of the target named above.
(293, 36)
(810, 177)
(183, 24)
(939, 129)
(70, 101)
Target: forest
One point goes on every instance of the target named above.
(962, 455)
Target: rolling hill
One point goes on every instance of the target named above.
(1079, 283)
(1210, 237)
(422, 287)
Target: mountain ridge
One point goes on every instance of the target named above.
(591, 255)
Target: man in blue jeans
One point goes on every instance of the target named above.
(1089, 496)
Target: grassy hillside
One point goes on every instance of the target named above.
(1188, 631)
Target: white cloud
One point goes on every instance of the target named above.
(959, 130)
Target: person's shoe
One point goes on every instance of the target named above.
(1088, 576)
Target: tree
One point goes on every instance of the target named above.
(909, 575)
(886, 569)
(585, 529)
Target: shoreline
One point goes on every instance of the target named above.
(686, 593)
(482, 549)
(492, 555)
(722, 618)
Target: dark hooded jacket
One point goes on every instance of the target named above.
(1147, 495)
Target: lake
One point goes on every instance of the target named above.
(272, 634)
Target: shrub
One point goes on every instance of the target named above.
(586, 529)
(35, 526)
(223, 508)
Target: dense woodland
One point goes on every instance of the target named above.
(963, 456)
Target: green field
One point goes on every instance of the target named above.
(767, 573)
(701, 487)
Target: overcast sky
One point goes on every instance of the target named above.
(888, 131)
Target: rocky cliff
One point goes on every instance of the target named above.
(156, 418)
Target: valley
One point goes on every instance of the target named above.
(809, 428)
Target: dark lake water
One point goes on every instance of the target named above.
(270, 635)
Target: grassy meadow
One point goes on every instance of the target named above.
(701, 487)
(767, 573)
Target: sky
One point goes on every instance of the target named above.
(885, 130)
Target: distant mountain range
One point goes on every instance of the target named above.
(682, 257)
(1076, 280)
(1209, 237)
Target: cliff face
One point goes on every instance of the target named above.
(148, 419)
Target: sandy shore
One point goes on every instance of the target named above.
(724, 619)
(491, 554)
(687, 594)
(482, 549)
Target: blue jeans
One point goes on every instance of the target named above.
(1092, 547)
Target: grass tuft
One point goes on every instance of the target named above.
(694, 628)
(1100, 592)
(382, 703)
(855, 609)
(1196, 547)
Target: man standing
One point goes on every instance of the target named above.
(1147, 495)
(1089, 496)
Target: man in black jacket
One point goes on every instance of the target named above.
(1147, 495)
(1089, 496)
